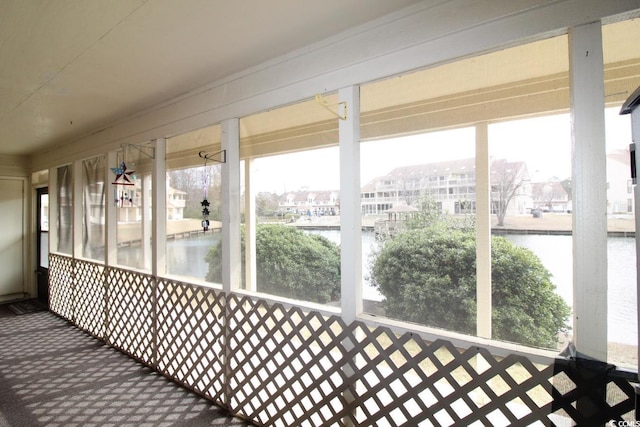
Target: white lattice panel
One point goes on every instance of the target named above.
(90, 292)
(291, 368)
(61, 285)
(131, 315)
(191, 336)
(283, 366)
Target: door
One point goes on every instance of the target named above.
(12, 238)
(42, 243)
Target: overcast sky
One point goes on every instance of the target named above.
(544, 143)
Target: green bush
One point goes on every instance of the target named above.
(428, 276)
(289, 263)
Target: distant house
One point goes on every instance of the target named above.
(129, 202)
(304, 202)
(452, 185)
(176, 201)
(551, 196)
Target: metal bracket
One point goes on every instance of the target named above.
(211, 157)
(341, 112)
(141, 148)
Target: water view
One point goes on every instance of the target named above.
(186, 258)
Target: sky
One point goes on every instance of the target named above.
(544, 143)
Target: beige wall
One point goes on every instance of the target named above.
(14, 201)
(12, 237)
(14, 166)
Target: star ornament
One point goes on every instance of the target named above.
(204, 203)
(123, 177)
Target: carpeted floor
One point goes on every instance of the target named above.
(52, 374)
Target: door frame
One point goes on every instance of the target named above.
(41, 272)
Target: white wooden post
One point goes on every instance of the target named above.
(589, 182)
(159, 212)
(350, 216)
(483, 232)
(250, 226)
(77, 251)
(231, 251)
(231, 266)
(147, 221)
(350, 221)
(110, 213)
(54, 219)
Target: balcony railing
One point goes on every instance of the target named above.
(286, 366)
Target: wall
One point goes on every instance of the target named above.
(13, 232)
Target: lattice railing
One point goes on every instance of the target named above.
(90, 298)
(290, 367)
(130, 313)
(285, 366)
(62, 285)
(190, 337)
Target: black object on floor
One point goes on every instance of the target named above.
(26, 307)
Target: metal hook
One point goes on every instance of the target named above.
(208, 157)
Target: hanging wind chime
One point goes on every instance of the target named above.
(124, 179)
(205, 203)
(205, 183)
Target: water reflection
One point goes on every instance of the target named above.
(186, 257)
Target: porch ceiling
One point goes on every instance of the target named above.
(70, 68)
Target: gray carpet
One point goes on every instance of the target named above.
(52, 374)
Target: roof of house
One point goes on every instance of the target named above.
(620, 155)
(460, 166)
(303, 196)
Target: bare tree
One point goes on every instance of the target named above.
(507, 180)
(549, 192)
(196, 183)
(410, 191)
(266, 204)
(566, 184)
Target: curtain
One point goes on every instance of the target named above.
(93, 208)
(65, 209)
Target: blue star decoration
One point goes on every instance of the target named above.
(122, 176)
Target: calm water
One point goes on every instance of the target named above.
(555, 252)
(185, 257)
